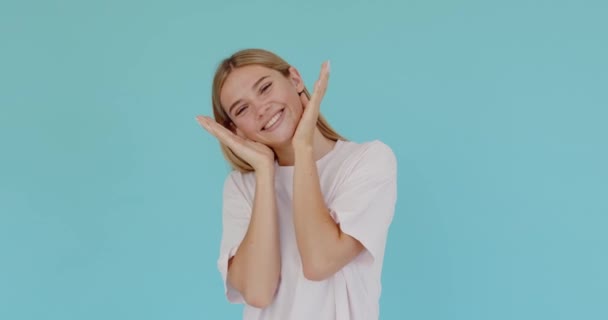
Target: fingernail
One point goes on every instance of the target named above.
(328, 66)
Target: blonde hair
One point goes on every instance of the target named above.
(244, 58)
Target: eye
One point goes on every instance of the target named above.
(265, 87)
(240, 110)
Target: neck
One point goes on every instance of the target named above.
(321, 146)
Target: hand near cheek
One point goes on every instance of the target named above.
(303, 137)
(257, 155)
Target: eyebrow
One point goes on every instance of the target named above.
(253, 87)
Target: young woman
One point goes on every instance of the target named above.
(305, 212)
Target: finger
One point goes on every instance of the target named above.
(320, 85)
(224, 135)
(209, 125)
(203, 122)
(314, 104)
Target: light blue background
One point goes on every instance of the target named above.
(110, 192)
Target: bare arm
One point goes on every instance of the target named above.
(256, 267)
(324, 248)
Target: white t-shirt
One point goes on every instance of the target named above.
(359, 184)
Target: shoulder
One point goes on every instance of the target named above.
(375, 156)
(239, 182)
(381, 152)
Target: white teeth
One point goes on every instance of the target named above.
(272, 120)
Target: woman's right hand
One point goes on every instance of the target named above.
(258, 155)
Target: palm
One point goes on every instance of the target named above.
(254, 153)
(251, 151)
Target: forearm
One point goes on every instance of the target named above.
(316, 232)
(255, 268)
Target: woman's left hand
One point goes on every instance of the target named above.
(303, 137)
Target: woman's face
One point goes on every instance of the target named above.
(263, 104)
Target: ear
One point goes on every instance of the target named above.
(304, 100)
(296, 79)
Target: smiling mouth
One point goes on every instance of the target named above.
(273, 120)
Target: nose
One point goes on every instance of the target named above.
(262, 110)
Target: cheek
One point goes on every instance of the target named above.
(246, 127)
(294, 103)
(297, 107)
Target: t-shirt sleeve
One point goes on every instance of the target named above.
(364, 204)
(236, 214)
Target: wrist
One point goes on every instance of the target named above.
(265, 172)
(300, 143)
(302, 149)
(304, 154)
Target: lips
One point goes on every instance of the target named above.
(273, 121)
